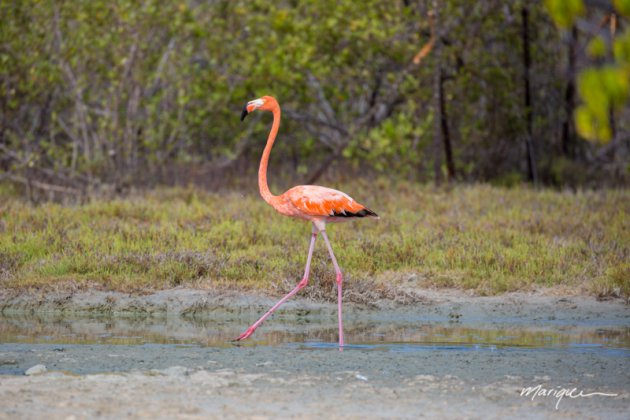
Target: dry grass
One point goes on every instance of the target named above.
(480, 237)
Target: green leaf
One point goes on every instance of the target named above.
(622, 6)
(621, 48)
(591, 89)
(590, 126)
(564, 12)
(615, 83)
(596, 47)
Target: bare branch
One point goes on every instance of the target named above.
(40, 185)
(325, 106)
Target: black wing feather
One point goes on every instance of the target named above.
(360, 213)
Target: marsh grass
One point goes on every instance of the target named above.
(484, 238)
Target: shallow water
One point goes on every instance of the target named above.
(309, 334)
(397, 366)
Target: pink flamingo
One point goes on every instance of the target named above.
(316, 204)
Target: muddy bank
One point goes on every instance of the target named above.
(440, 305)
(297, 381)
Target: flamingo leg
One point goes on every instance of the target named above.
(297, 288)
(339, 285)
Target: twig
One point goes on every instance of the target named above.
(41, 185)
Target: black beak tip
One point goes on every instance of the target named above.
(244, 113)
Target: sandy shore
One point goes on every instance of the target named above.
(293, 382)
(287, 379)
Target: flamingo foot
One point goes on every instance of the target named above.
(246, 334)
(302, 284)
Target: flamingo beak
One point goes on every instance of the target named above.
(251, 106)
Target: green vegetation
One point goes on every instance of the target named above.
(484, 238)
(116, 93)
(603, 89)
(99, 97)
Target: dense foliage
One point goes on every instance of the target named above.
(124, 92)
(607, 88)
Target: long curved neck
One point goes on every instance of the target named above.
(262, 170)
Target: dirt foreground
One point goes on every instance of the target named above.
(278, 376)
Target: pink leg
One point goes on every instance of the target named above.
(339, 283)
(297, 288)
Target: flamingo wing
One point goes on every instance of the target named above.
(313, 200)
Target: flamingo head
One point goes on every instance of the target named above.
(266, 103)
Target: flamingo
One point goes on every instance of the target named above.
(319, 205)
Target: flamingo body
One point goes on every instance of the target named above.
(319, 205)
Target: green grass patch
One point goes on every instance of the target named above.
(484, 238)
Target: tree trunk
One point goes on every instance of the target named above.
(531, 158)
(437, 114)
(446, 134)
(569, 97)
(4, 161)
(613, 131)
(311, 179)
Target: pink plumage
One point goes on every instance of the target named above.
(319, 205)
